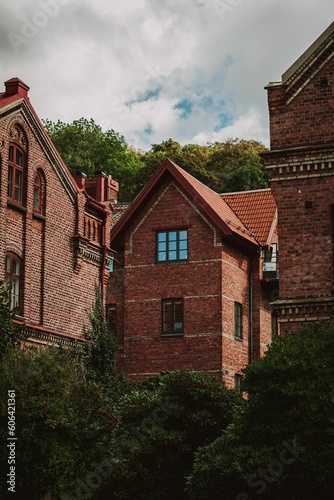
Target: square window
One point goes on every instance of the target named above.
(172, 246)
(172, 316)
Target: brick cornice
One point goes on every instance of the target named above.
(304, 310)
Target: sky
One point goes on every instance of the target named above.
(190, 70)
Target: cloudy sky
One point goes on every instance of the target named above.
(192, 70)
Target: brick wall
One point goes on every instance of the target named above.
(304, 120)
(214, 277)
(57, 287)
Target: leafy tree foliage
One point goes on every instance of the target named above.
(281, 446)
(100, 352)
(58, 419)
(161, 424)
(85, 147)
(11, 334)
(234, 165)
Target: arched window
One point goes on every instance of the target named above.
(37, 193)
(16, 161)
(13, 276)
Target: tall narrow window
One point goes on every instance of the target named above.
(172, 245)
(237, 381)
(13, 276)
(37, 193)
(111, 314)
(172, 316)
(237, 320)
(15, 174)
(274, 325)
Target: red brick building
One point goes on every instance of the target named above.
(301, 166)
(189, 288)
(54, 232)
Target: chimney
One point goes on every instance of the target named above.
(16, 86)
(80, 179)
(100, 178)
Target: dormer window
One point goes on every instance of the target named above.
(172, 245)
(15, 174)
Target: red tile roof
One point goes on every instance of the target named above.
(257, 210)
(218, 205)
(211, 203)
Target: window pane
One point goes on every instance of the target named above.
(162, 246)
(168, 317)
(15, 267)
(162, 236)
(19, 158)
(172, 236)
(183, 244)
(7, 264)
(18, 186)
(36, 198)
(162, 256)
(183, 254)
(171, 255)
(15, 293)
(11, 153)
(10, 182)
(172, 245)
(183, 235)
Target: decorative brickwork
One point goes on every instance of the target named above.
(62, 247)
(301, 168)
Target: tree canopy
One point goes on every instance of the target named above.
(233, 165)
(281, 445)
(86, 148)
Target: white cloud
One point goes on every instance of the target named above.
(128, 64)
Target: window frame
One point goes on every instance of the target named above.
(238, 316)
(14, 278)
(38, 188)
(15, 171)
(165, 332)
(237, 382)
(168, 243)
(111, 317)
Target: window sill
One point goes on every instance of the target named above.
(38, 216)
(16, 206)
(163, 335)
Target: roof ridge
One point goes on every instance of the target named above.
(248, 191)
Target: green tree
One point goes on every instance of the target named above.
(99, 352)
(237, 166)
(11, 334)
(281, 445)
(162, 422)
(60, 425)
(85, 147)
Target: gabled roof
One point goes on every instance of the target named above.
(210, 202)
(16, 99)
(258, 212)
(307, 65)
